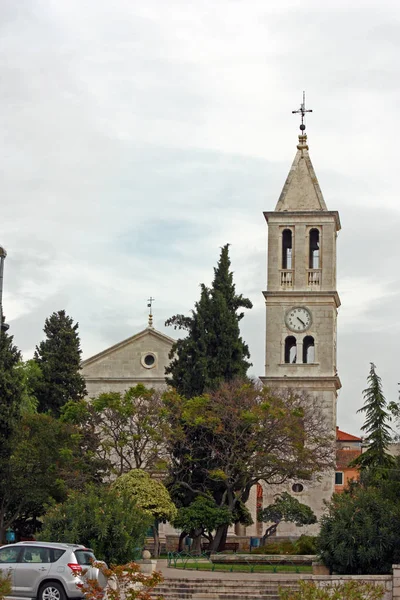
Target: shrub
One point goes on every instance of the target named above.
(103, 519)
(277, 547)
(360, 534)
(125, 582)
(306, 544)
(350, 590)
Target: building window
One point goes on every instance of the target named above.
(308, 349)
(338, 478)
(287, 249)
(314, 249)
(148, 360)
(290, 350)
(297, 488)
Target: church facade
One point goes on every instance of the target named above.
(301, 323)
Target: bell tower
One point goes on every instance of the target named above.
(301, 298)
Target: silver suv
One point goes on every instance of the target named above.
(47, 570)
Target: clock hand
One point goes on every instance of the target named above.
(302, 322)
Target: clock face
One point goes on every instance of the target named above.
(298, 318)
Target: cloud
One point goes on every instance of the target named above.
(138, 138)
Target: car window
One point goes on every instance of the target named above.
(84, 557)
(56, 554)
(32, 554)
(9, 555)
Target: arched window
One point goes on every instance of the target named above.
(308, 349)
(314, 249)
(286, 249)
(290, 350)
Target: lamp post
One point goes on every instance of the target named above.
(3, 254)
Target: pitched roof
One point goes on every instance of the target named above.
(149, 331)
(342, 436)
(344, 457)
(301, 191)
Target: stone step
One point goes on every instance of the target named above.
(214, 589)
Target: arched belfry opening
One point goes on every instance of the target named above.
(287, 245)
(308, 350)
(314, 256)
(290, 350)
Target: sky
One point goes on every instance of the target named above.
(140, 136)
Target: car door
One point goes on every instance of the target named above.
(34, 565)
(9, 561)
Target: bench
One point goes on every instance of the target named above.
(228, 546)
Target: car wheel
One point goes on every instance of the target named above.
(52, 591)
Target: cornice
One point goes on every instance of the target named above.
(294, 295)
(320, 214)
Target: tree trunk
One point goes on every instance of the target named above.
(219, 541)
(156, 538)
(181, 538)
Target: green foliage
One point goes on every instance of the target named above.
(379, 433)
(32, 378)
(45, 464)
(213, 350)
(306, 544)
(5, 585)
(130, 427)
(104, 519)
(202, 517)
(360, 533)
(11, 391)
(59, 357)
(287, 508)
(276, 547)
(225, 442)
(348, 590)
(150, 495)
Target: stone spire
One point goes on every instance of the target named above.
(301, 191)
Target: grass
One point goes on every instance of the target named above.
(235, 568)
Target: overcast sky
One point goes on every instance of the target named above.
(139, 136)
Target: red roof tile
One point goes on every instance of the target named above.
(342, 436)
(344, 457)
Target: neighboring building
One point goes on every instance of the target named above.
(348, 447)
(141, 358)
(301, 309)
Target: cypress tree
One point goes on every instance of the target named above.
(213, 350)
(59, 358)
(376, 427)
(11, 392)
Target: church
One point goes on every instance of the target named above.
(301, 324)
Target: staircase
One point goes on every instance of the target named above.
(221, 589)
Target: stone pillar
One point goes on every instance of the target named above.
(396, 582)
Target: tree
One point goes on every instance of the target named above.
(285, 508)
(11, 392)
(199, 519)
(102, 518)
(32, 378)
(59, 357)
(150, 496)
(360, 533)
(213, 350)
(130, 427)
(378, 437)
(226, 441)
(45, 464)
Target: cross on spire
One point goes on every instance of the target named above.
(302, 111)
(150, 306)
